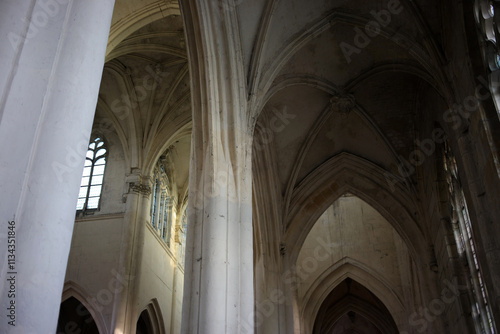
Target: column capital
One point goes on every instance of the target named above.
(138, 183)
(140, 188)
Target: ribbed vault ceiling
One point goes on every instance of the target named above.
(145, 94)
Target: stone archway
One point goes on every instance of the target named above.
(150, 320)
(350, 307)
(74, 317)
(144, 325)
(78, 310)
(353, 241)
(347, 173)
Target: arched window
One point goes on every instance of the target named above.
(487, 14)
(161, 204)
(467, 246)
(167, 219)
(93, 174)
(154, 200)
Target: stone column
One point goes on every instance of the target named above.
(125, 306)
(51, 62)
(218, 282)
(218, 292)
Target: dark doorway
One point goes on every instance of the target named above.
(352, 308)
(75, 318)
(144, 325)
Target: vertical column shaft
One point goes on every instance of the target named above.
(52, 57)
(125, 308)
(218, 292)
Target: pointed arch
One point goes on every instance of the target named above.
(271, 68)
(361, 307)
(347, 173)
(110, 122)
(171, 133)
(349, 268)
(89, 197)
(138, 19)
(72, 289)
(147, 47)
(125, 113)
(153, 312)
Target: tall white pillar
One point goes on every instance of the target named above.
(51, 59)
(218, 281)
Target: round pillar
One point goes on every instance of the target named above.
(51, 64)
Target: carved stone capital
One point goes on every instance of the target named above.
(139, 188)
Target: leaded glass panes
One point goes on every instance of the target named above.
(161, 218)
(467, 246)
(488, 23)
(92, 176)
(168, 219)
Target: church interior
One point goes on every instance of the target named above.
(250, 166)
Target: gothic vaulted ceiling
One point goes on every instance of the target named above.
(342, 93)
(323, 78)
(382, 58)
(377, 58)
(145, 92)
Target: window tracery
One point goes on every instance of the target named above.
(93, 175)
(466, 245)
(487, 14)
(161, 204)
